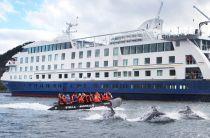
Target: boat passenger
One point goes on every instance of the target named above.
(63, 99)
(80, 99)
(106, 97)
(74, 98)
(59, 98)
(67, 99)
(97, 98)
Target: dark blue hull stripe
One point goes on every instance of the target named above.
(134, 90)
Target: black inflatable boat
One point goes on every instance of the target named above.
(112, 103)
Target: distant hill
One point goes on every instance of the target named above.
(7, 56)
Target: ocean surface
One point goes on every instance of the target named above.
(30, 117)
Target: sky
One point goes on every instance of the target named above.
(35, 20)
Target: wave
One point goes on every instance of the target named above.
(32, 106)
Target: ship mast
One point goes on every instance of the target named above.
(202, 23)
(69, 27)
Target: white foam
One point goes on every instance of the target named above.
(201, 114)
(32, 106)
(104, 108)
(94, 117)
(138, 119)
(173, 115)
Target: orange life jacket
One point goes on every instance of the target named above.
(97, 98)
(80, 99)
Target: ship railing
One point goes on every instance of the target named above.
(179, 37)
(113, 38)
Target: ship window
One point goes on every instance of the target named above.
(60, 76)
(106, 74)
(159, 60)
(147, 73)
(153, 47)
(49, 58)
(97, 53)
(63, 45)
(125, 73)
(42, 67)
(88, 65)
(129, 73)
(80, 65)
(135, 61)
(73, 75)
(168, 46)
(37, 76)
(190, 59)
(133, 49)
(55, 66)
(43, 58)
(21, 60)
(172, 72)
(80, 75)
(32, 59)
(125, 62)
(106, 63)
(97, 74)
(49, 76)
(49, 67)
(43, 76)
(68, 45)
(139, 49)
(96, 64)
(115, 63)
(115, 51)
(106, 52)
(37, 58)
(147, 61)
(56, 57)
(159, 72)
(88, 53)
(63, 55)
(62, 66)
(31, 68)
(80, 54)
(171, 59)
(72, 65)
(88, 75)
(136, 73)
(65, 76)
(115, 74)
(146, 48)
(160, 47)
(73, 55)
(26, 59)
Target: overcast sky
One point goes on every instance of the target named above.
(32, 20)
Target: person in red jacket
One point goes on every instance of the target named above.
(97, 98)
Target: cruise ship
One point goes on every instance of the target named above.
(138, 64)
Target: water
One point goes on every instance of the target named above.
(29, 117)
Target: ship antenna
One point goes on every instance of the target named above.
(159, 11)
(69, 27)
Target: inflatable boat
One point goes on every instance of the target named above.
(112, 104)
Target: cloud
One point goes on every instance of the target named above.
(103, 16)
(14, 37)
(6, 8)
(110, 16)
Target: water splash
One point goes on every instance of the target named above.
(32, 106)
(173, 115)
(104, 108)
(94, 117)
